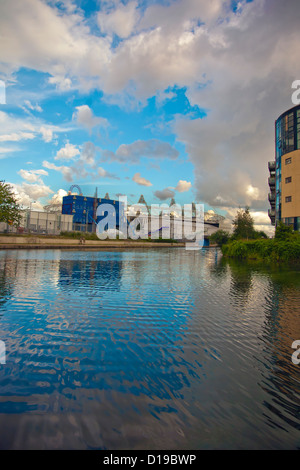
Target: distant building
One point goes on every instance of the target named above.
(84, 210)
(284, 179)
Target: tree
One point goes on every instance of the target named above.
(10, 211)
(283, 232)
(260, 234)
(243, 225)
(220, 237)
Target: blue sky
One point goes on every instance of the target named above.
(161, 98)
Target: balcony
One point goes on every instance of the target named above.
(271, 213)
(272, 166)
(271, 197)
(272, 181)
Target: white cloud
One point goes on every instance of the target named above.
(164, 194)
(16, 137)
(239, 66)
(66, 171)
(51, 41)
(119, 21)
(142, 148)
(106, 174)
(28, 193)
(58, 197)
(183, 186)
(47, 134)
(68, 152)
(36, 191)
(35, 107)
(15, 129)
(85, 117)
(32, 176)
(62, 83)
(137, 178)
(88, 154)
(6, 152)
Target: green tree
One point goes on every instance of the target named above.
(10, 211)
(260, 234)
(243, 225)
(283, 232)
(220, 237)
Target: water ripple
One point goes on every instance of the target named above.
(147, 349)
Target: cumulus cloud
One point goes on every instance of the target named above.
(47, 134)
(32, 189)
(132, 153)
(62, 83)
(119, 20)
(27, 195)
(137, 178)
(85, 117)
(67, 172)
(106, 174)
(164, 194)
(58, 197)
(238, 65)
(68, 152)
(88, 153)
(78, 170)
(183, 186)
(36, 191)
(32, 176)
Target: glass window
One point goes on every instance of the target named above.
(288, 199)
(288, 160)
(288, 179)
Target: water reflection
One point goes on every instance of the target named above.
(147, 349)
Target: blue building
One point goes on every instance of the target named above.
(84, 210)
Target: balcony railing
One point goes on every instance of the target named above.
(272, 181)
(272, 165)
(271, 213)
(271, 197)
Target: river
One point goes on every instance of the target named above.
(147, 349)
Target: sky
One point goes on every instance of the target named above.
(165, 98)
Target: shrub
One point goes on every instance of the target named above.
(220, 237)
(265, 249)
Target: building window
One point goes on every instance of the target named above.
(288, 160)
(288, 179)
(288, 199)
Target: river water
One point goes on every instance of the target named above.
(147, 349)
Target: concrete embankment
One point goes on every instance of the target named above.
(8, 243)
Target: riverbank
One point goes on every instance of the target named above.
(267, 250)
(35, 242)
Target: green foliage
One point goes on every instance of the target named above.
(243, 225)
(260, 234)
(283, 232)
(78, 235)
(220, 237)
(10, 211)
(272, 250)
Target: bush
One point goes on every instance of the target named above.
(283, 232)
(265, 249)
(220, 237)
(78, 235)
